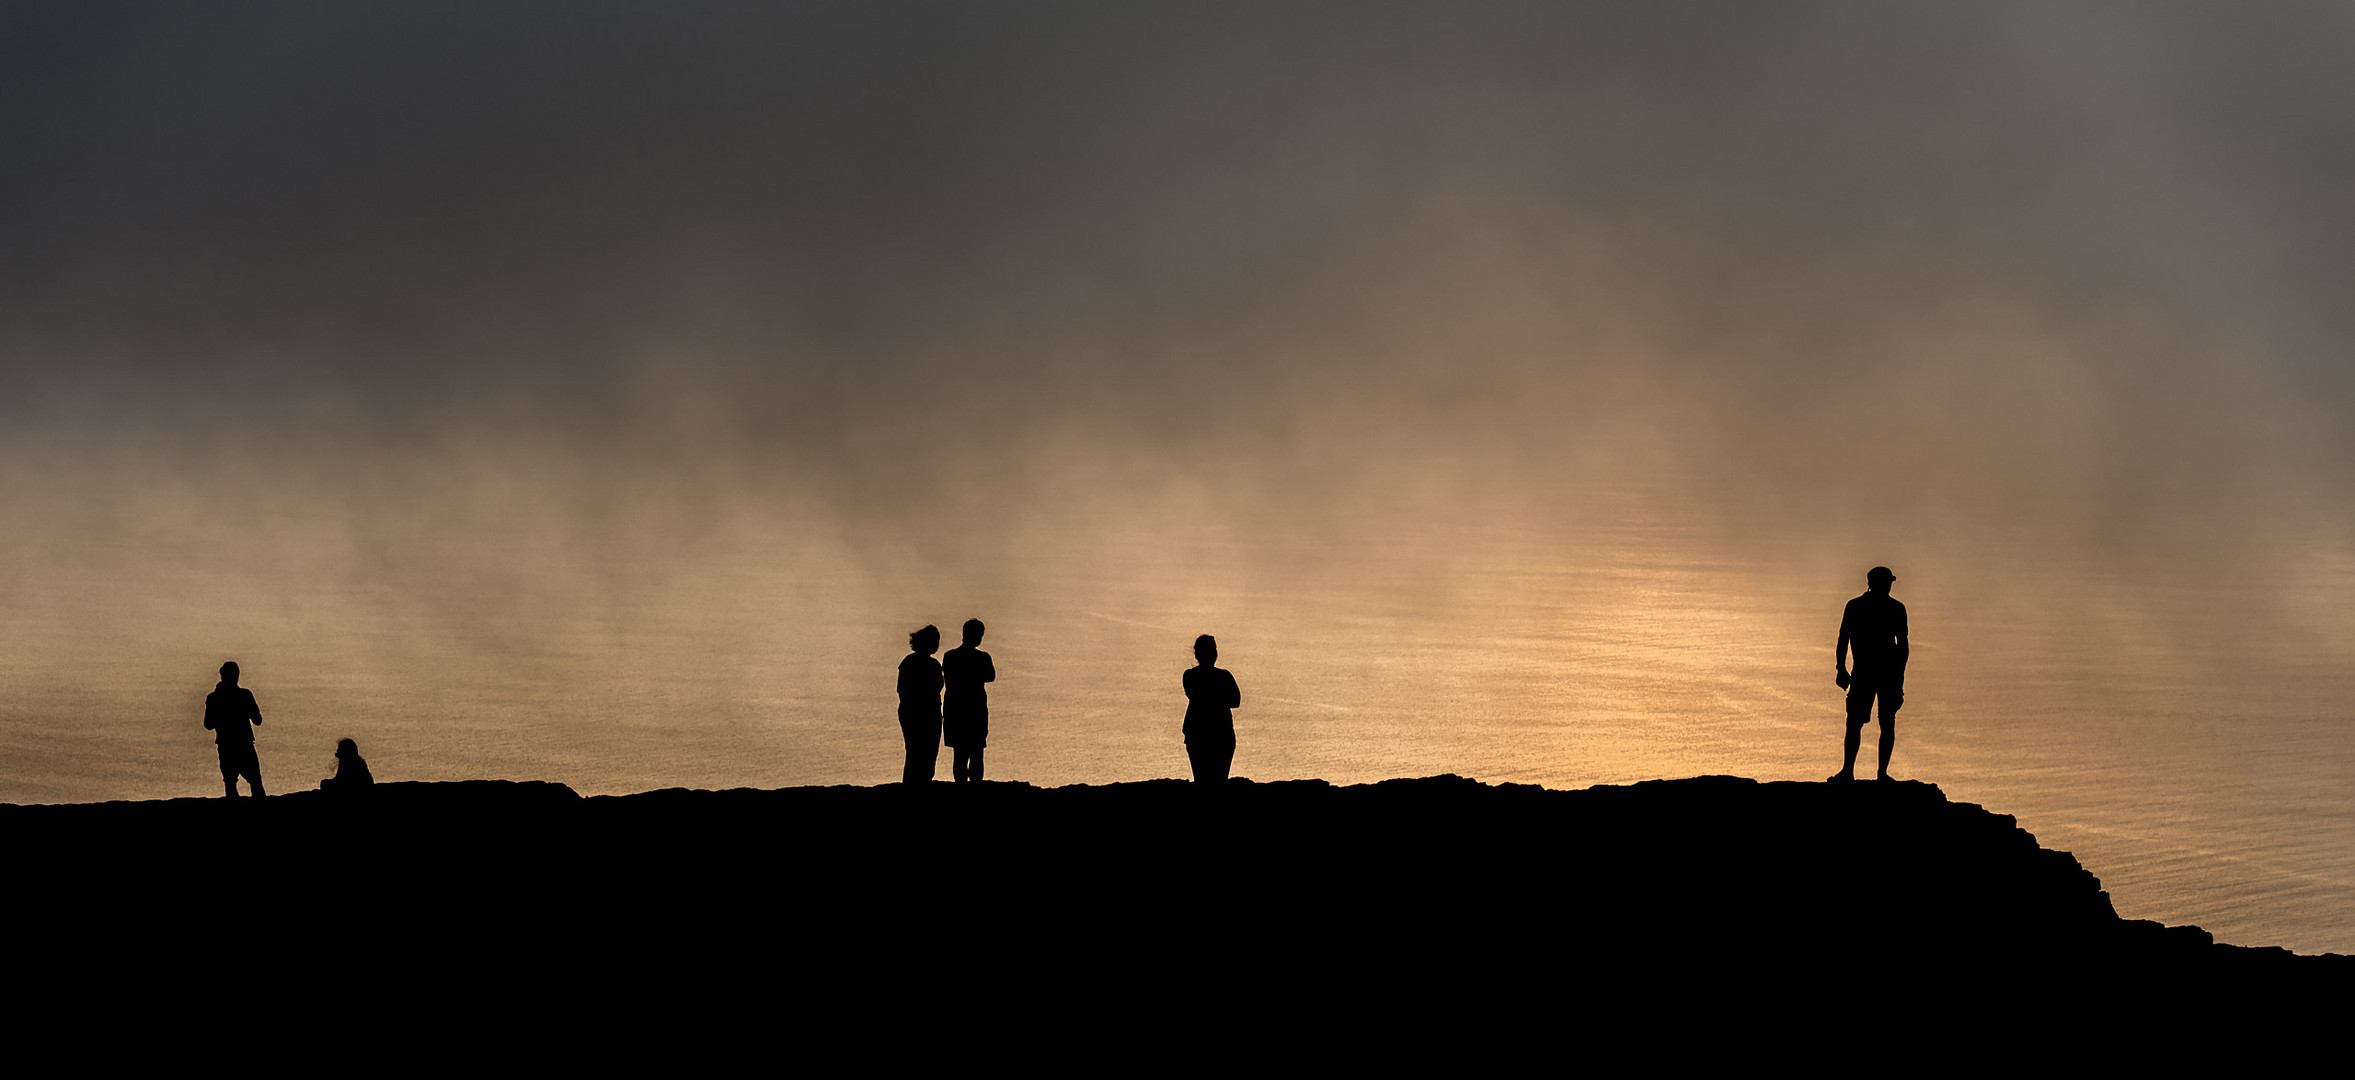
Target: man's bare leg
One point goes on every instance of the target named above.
(1888, 743)
(1854, 742)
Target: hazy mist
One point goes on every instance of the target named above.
(406, 332)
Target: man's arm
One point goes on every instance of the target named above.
(1840, 652)
(1904, 644)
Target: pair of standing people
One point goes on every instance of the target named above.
(927, 717)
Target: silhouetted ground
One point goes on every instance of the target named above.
(1297, 921)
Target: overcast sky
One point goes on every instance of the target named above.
(636, 277)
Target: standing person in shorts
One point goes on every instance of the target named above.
(230, 713)
(1872, 630)
(964, 709)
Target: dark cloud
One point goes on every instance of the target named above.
(2085, 261)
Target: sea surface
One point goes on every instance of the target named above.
(2189, 737)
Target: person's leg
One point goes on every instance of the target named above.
(253, 770)
(973, 767)
(1888, 731)
(1211, 761)
(1860, 703)
(922, 746)
(957, 763)
(229, 767)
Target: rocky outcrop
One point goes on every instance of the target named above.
(1482, 904)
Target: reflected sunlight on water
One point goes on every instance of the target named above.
(2213, 793)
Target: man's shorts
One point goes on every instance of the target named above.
(1860, 701)
(238, 759)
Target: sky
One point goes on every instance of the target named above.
(512, 322)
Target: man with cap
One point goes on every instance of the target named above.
(1872, 630)
(231, 714)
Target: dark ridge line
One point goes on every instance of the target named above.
(1762, 835)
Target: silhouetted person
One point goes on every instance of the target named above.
(964, 710)
(351, 771)
(919, 705)
(1211, 701)
(230, 713)
(1873, 631)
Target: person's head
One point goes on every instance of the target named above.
(1878, 579)
(229, 673)
(1206, 649)
(926, 641)
(973, 629)
(346, 749)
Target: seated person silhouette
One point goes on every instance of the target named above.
(231, 715)
(1872, 630)
(919, 705)
(964, 710)
(351, 772)
(1211, 701)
